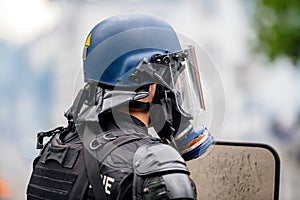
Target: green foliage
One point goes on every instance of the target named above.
(277, 26)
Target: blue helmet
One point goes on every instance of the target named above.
(125, 52)
(115, 47)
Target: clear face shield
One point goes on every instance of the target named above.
(187, 84)
(183, 79)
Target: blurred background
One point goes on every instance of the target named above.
(255, 45)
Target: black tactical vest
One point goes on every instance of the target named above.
(59, 172)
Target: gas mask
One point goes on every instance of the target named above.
(176, 129)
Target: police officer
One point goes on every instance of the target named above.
(137, 76)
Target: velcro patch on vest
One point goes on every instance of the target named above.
(64, 156)
(51, 184)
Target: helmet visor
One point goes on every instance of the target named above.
(186, 82)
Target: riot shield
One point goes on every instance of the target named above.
(234, 171)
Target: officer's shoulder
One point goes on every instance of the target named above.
(157, 157)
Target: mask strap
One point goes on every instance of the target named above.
(167, 105)
(145, 106)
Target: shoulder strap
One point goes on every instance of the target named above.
(91, 163)
(101, 147)
(120, 138)
(94, 176)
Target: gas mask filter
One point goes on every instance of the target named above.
(192, 142)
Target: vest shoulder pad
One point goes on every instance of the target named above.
(157, 157)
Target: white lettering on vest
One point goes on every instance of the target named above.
(107, 183)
